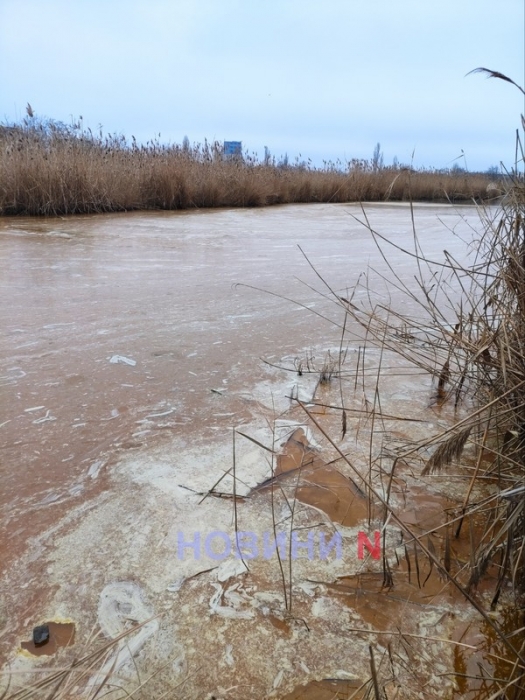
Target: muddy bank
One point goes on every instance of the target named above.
(161, 542)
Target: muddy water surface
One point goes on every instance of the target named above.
(128, 353)
(156, 292)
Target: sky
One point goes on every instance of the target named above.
(324, 80)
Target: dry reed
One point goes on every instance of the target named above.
(469, 336)
(48, 168)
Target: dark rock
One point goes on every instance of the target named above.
(41, 635)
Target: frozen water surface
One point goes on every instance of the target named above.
(131, 346)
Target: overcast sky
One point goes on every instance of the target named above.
(326, 79)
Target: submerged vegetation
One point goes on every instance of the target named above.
(49, 168)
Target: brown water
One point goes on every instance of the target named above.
(159, 289)
(128, 353)
(318, 484)
(61, 634)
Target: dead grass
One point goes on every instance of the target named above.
(52, 169)
(470, 337)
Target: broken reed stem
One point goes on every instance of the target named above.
(360, 411)
(290, 546)
(235, 513)
(357, 368)
(371, 441)
(415, 636)
(84, 666)
(341, 393)
(274, 522)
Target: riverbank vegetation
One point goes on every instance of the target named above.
(469, 336)
(463, 326)
(48, 168)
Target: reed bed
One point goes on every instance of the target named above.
(466, 329)
(473, 344)
(48, 168)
